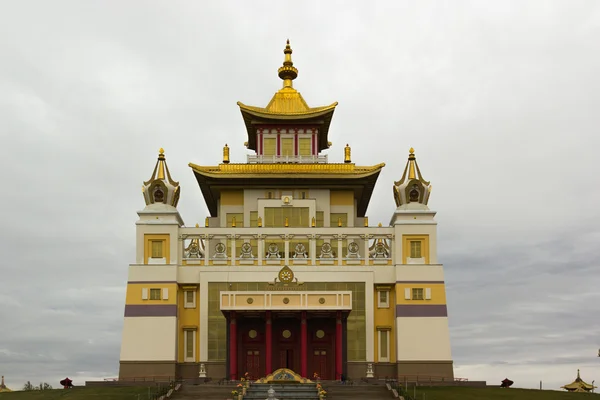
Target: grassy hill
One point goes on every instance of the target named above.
(469, 393)
(81, 393)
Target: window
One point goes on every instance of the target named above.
(415, 249)
(384, 345)
(270, 145)
(189, 299)
(417, 294)
(320, 219)
(304, 146)
(239, 219)
(384, 301)
(275, 217)
(287, 147)
(336, 218)
(302, 194)
(157, 249)
(270, 194)
(154, 294)
(190, 344)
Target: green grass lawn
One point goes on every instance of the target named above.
(469, 393)
(80, 393)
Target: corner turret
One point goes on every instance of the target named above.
(412, 191)
(161, 188)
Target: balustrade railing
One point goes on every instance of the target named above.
(287, 246)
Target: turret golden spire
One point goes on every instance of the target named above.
(287, 72)
(411, 160)
(161, 166)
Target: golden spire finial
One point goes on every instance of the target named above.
(197, 226)
(287, 72)
(411, 160)
(161, 166)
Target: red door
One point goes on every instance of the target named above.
(286, 359)
(320, 363)
(253, 364)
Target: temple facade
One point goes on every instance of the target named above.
(286, 271)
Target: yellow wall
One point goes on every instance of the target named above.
(438, 293)
(341, 198)
(148, 246)
(134, 293)
(232, 198)
(385, 317)
(188, 317)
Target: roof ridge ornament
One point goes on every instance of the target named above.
(287, 72)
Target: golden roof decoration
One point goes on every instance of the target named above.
(287, 101)
(284, 170)
(578, 385)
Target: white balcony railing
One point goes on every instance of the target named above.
(254, 158)
(287, 246)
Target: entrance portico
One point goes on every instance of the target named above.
(299, 330)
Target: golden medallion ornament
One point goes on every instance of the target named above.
(286, 275)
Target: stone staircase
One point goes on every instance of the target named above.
(205, 391)
(299, 391)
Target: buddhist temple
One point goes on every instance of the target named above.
(578, 385)
(286, 271)
(3, 387)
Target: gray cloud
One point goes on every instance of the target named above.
(500, 102)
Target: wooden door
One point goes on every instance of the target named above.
(320, 363)
(253, 363)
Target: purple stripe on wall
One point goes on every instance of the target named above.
(151, 310)
(421, 310)
(151, 281)
(419, 281)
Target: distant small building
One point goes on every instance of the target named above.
(578, 385)
(3, 387)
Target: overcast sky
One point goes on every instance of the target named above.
(501, 101)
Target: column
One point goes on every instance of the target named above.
(206, 249)
(232, 347)
(287, 250)
(339, 250)
(303, 345)
(338, 345)
(268, 344)
(233, 255)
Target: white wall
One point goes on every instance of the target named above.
(149, 339)
(422, 339)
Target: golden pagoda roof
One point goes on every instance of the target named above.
(318, 171)
(287, 105)
(578, 385)
(213, 179)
